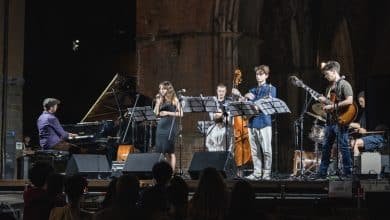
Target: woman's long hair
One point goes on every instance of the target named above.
(210, 201)
(170, 96)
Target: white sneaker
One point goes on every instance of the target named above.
(253, 177)
(266, 177)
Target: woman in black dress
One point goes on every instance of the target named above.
(167, 108)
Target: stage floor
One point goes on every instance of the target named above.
(275, 188)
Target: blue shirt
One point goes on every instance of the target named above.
(261, 120)
(50, 130)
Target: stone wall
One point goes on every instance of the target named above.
(14, 64)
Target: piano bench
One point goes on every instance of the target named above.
(57, 159)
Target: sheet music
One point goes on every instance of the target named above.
(242, 108)
(271, 106)
(200, 104)
(144, 113)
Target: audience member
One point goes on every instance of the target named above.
(110, 193)
(74, 189)
(210, 201)
(124, 205)
(177, 192)
(241, 201)
(153, 200)
(36, 199)
(55, 189)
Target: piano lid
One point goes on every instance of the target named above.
(106, 106)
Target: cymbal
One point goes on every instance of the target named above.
(317, 108)
(316, 116)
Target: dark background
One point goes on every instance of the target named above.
(77, 77)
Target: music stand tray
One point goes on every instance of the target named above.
(200, 104)
(141, 114)
(242, 109)
(270, 106)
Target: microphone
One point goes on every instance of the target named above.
(158, 96)
(181, 91)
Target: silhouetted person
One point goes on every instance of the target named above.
(154, 201)
(125, 199)
(242, 201)
(36, 199)
(110, 193)
(177, 192)
(74, 189)
(210, 199)
(55, 189)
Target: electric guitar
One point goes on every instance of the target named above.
(346, 114)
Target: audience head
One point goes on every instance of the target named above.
(361, 99)
(55, 184)
(162, 172)
(177, 193)
(39, 173)
(74, 187)
(126, 190)
(110, 193)
(242, 197)
(210, 198)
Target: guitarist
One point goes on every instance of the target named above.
(341, 93)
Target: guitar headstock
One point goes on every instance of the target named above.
(296, 81)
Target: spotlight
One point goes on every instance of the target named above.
(75, 45)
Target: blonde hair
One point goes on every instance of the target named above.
(170, 96)
(264, 68)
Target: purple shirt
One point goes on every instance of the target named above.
(50, 130)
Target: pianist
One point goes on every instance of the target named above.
(51, 134)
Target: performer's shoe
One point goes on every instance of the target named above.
(253, 177)
(266, 177)
(266, 174)
(318, 176)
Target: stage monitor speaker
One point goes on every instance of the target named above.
(221, 160)
(92, 166)
(141, 164)
(385, 162)
(370, 163)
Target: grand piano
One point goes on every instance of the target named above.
(103, 127)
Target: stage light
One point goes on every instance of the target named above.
(75, 45)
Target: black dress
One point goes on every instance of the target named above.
(164, 142)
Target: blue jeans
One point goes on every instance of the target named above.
(331, 133)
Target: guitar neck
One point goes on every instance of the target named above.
(311, 91)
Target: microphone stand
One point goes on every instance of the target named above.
(130, 119)
(180, 130)
(299, 127)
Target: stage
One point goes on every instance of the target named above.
(287, 197)
(276, 188)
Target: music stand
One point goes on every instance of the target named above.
(200, 104)
(273, 106)
(244, 108)
(142, 114)
(270, 106)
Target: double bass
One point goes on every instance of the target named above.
(242, 149)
